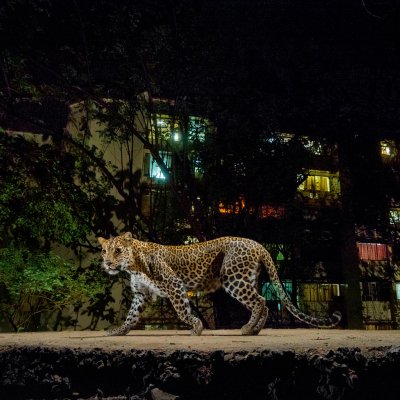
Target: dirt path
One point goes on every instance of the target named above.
(298, 340)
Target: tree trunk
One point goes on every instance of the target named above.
(348, 240)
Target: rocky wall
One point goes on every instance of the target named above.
(346, 373)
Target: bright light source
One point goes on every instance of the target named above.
(394, 216)
(176, 136)
(398, 291)
(161, 122)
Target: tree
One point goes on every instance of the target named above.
(42, 205)
(252, 71)
(61, 174)
(36, 287)
(48, 75)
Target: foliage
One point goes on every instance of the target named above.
(46, 201)
(35, 286)
(38, 196)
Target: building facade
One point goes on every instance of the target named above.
(310, 233)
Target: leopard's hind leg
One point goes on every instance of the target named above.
(261, 322)
(247, 294)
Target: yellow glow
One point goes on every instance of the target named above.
(316, 181)
(385, 149)
(235, 208)
(388, 148)
(319, 291)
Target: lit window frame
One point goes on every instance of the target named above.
(397, 290)
(373, 251)
(319, 292)
(394, 216)
(388, 149)
(152, 170)
(169, 128)
(234, 208)
(316, 182)
(271, 211)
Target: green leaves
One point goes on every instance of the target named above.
(41, 283)
(43, 273)
(40, 200)
(31, 215)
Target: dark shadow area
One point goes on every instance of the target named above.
(346, 373)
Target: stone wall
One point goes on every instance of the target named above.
(347, 373)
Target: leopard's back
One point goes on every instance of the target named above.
(198, 264)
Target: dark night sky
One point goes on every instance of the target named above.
(325, 63)
(315, 65)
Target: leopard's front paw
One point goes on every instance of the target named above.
(120, 331)
(197, 328)
(248, 330)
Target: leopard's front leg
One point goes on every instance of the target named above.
(141, 296)
(137, 306)
(176, 292)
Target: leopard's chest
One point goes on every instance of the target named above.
(147, 282)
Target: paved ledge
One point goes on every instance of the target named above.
(220, 365)
(167, 341)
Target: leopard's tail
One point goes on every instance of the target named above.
(308, 319)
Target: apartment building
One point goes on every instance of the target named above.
(311, 262)
(303, 233)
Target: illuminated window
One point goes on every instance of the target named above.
(162, 123)
(150, 167)
(270, 291)
(164, 128)
(235, 208)
(388, 148)
(319, 291)
(385, 149)
(197, 129)
(373, 251)
(315, 183)
(269, 211)
(312, 145)
(394, 216)
(397, 290)
(197, 167)
(169, 128)
(280, 137)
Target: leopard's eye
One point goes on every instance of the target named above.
(103, 251)
(118, 250)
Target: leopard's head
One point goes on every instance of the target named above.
(116, 253)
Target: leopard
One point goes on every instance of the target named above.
(231, 263)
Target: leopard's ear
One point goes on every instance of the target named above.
(102, 241)
(127, 235)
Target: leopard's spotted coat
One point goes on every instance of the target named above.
(170, 271)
